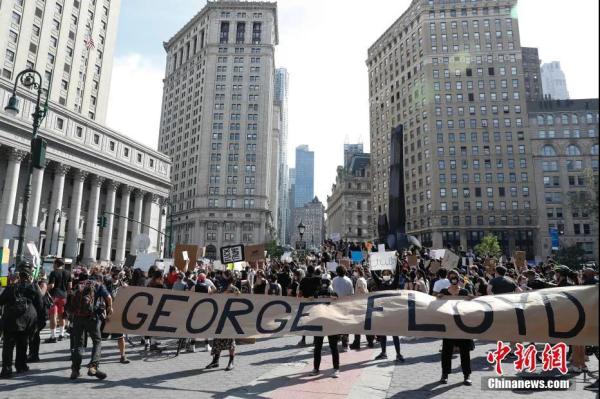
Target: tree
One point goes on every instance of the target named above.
(573, 256)
(489, 247)
(587, 201)
(273, 250)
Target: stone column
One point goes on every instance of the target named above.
(463, 240)
(106, 247)
(219, 236)
(152, 219)
(91, 233)
(238, 232)
(53, 227)
(72, 246)
(9, 195)
(437, 240)
(136, 227)
(37, 182)
(123, 222)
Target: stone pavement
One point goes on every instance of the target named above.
(271, 368)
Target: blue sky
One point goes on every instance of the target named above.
(323, 44)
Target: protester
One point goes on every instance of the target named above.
(360, 289)
(342, 286)
(326, 291)
(59, 285)
(42, 317)
(448, 344)
(309, 288)
(274, 288)
(112, 284)
(22, 303)
(441, 282)
(260, 283)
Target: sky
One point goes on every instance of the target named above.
(323, 44)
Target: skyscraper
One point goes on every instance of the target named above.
(220, 125)
(452, 75)
(305, 176)
(554, 81)
(70, 43)
(290, 208)
(532, 74)
(281, 100)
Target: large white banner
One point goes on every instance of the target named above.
(382, 260)
(567, 314)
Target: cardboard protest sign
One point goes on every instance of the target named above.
(434, 266)
(254, 253)
(412, 260)
(232, 254)
(520, 261)
(382, 260)
(563, 314)
(345, 262)
(490, 266)
(129, 260)
(356, 256)
(179, 256)
(450, 260)
(331, 266)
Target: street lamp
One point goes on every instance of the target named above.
(30, 79)
(301, 229)
(171, 211)
(56, 215)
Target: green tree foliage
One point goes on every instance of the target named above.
(489, 247)
(273, 250)
(573, 256)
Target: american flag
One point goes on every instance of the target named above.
(89, 43)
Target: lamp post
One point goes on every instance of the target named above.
(57, 213)
(301, 229)
(30, 79)
(171, 211)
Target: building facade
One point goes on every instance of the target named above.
(349, 214)
(312, 216)
(90, 171)
(349, 151)
(554, 81)
(532, 75)
(290, 209)
(564, 137)
(53, 37)
(218, 124)
(452, 75)
(281, 100)
(305, 176)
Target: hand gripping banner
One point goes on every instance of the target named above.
(567, 315)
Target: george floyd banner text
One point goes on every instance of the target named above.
(568, 314)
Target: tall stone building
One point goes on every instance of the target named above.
(281, 100)
(349, 214)
(532, 74)
(312, 216)
(290, 208)
(554, 81)
(564, 137)
(53, 37)
(219, 126)
(452, 74)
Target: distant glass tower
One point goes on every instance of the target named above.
(305, 176)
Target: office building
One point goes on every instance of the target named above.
(564, 137)
(451, 73)
(349, 151)
(70, 43)
(281, 100)
(349, 214)
(218, 124)
(290, 207)
(532, 75)
(554, 81)
(304, 176)
(312, 216)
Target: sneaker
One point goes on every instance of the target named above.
(370, 345)
(314, 372)
(212, 365)
(355, 346)
(94, 372)
(592, 387)
(6, 373)
(23, 370)
(444, 379)
(399, 358)
(51, 340)
(74, 374)
(467, 381)
(335, 374)
(124, 360)
(302, 342)
(33, 359)
(61, 337)
(191, 349)
(381, 356)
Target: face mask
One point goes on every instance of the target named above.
(355, 274)
(387, 277)
(454, 281)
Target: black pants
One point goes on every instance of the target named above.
(370, 339)
(383, 343)
(10, 341)
(333, 345)
(34, 342)
(464, 345)
(81, 326)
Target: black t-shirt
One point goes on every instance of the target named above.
(61, 279)
(502, 285)
(294, 287)
(310, 286)
(284, 280)
(461, 292)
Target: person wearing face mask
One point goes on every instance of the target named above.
(389, 281)
(360, 288)
(465, 345)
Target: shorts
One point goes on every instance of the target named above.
(58, 307)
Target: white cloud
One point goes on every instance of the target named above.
(135, 98)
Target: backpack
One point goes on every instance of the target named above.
(19, 305)
(84, 300)
(201, 287)
(274, 289)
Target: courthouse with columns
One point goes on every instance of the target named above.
(90, 171)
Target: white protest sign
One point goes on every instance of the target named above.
(217, 265)
(450, 260)
(382, 260)
(331, 266)
(286, 257)
(185, 256)
(381, 248)
(145, 261)
(437, 253)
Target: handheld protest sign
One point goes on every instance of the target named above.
(191, 252)
(232, 254)
(254, 253)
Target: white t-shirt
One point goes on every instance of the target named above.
(440, 285)
(342, 286)
(361, 286)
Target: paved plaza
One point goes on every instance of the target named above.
(270, 368)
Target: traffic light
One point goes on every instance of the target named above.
(101, 221)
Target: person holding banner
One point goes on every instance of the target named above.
(360, 288)
(260, 283)
(220, 344)
(465, 345)
(326, 291)
(386, 283)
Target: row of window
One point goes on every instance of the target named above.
(566, 133)
(572, 150)
(551, 119)
(492, 220)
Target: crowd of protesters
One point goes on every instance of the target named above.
(77, 302)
